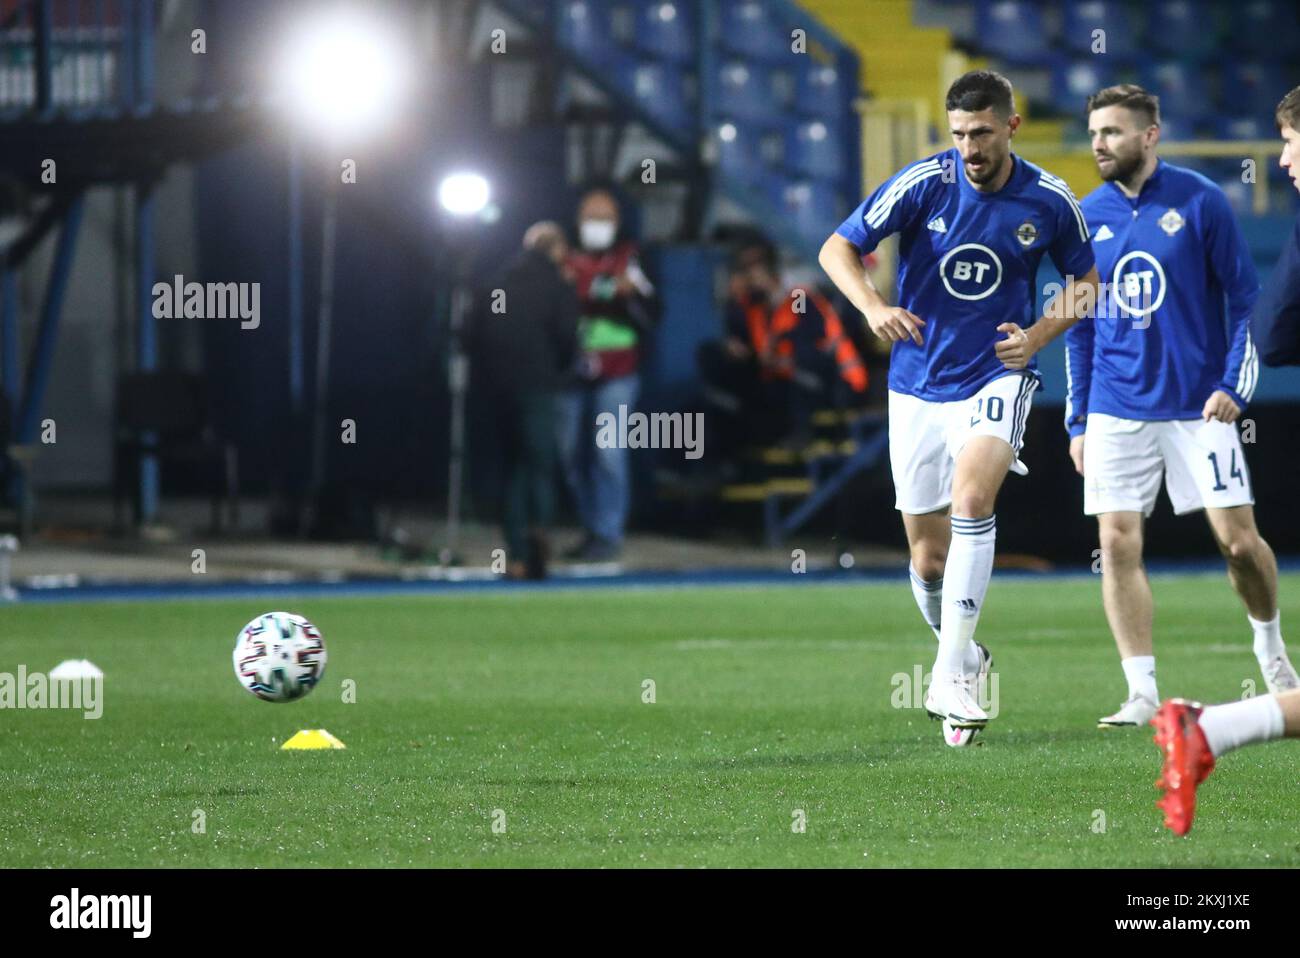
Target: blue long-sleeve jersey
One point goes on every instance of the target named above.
(1276, 323)
(1173, 322)
(967, 263)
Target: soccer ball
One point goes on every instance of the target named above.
(279, 657)
(959, 737)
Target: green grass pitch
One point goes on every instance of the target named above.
(527, 710)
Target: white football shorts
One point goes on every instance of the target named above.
(1123, 460)
(925, 438)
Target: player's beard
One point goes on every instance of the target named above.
(988, 174)
(1122, 168)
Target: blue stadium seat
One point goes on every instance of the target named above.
(1235, 126)
(660, 89)
(1183, 28)
(666, 28)
(739, 153)
(813, 208)
(823, 91)
(814, 148)
(1013, 30)
(1176, 128)
(1266, 28)
(745, 91)
(1122, 29)
(1073, 81)
(1181, 87)
(750, 27)
(585, 28)
(1253, 88)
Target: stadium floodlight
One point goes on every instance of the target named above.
(344, 73)
(464, 194)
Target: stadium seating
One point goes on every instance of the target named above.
(1014, 31)
(1182, 28)
(815, 149)
(775, 113)
(666, 29)
(1266, 29)
(1121, 29)
(1181, 87)
(752, 29)
(1073, 81)
(821, 89)
(745, 91)
(586, 28)
(660, 89)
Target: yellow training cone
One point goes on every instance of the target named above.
(313, 738)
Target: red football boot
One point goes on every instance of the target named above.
(1188, 761)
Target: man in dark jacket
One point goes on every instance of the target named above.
(525, 342)
(1276, 325)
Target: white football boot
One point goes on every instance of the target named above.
(1280, 676)
(952, 697)
(1136, 710)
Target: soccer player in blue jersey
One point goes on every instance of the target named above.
(973, 223)
(1157, 380)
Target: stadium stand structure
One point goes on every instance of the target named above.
(79, 109)
(757, 99)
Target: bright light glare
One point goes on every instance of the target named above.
(344, 73)
(464, 194)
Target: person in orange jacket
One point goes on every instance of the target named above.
(784, 352)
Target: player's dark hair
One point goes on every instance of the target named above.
(980, 90)
(1288, 111)
(1130, 96)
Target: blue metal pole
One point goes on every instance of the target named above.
(127, 14)
(44, 57)
(42, 358)
(144, 73)
(146, 343)
(296, 359)
(9, 339)
(9, 369)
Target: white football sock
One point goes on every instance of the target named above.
(1140, 670)
(929, 598)
(1252, 720)
(965, 582)
(1268, 638)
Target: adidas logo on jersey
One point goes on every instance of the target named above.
(1103, 233)
(937, 224)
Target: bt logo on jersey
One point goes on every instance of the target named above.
(1138, 286)
(971, 271)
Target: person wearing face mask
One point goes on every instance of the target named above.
(616, 313)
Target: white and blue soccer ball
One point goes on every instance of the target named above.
(279, 657)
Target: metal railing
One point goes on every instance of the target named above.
(74, 56)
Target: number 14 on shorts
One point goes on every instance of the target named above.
(1234, 471)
